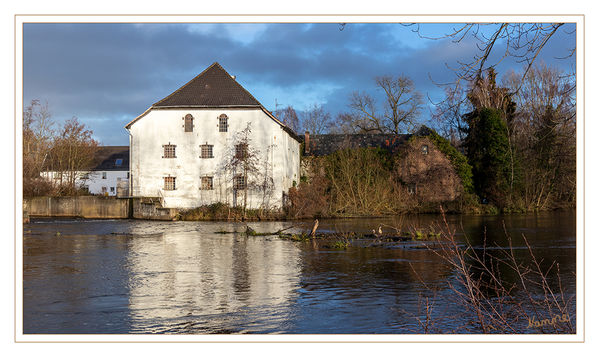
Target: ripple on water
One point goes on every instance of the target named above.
(181, 277)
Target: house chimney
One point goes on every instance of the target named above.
(307, 142)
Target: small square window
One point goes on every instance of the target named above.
(104, 175)
(169, 151)
(169, 183)
(104, 189)
(424, 149)
(112, 189)
(206, 151)
(118, 162)
(207, 183)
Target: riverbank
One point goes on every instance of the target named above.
(150, 208)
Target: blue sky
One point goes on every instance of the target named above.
(107, 74)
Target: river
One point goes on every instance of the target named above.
(132, 276)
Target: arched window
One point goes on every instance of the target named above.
(188, 123)
(424, 149)
(223, 123)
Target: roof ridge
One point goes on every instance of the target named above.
(213, 65)
(239, 84)
(188, 82)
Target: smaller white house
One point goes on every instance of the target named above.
(108, 176)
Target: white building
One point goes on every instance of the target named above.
(179, 147)
(109, 173)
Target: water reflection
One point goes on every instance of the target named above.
(202, 282)
(182, 277)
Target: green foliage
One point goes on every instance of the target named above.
(301, 237)
(418, 235)
(340, 244)
(488, 148)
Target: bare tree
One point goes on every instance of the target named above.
(37, 137)
(73, 151)
(545, 134)
(399, 113)
(521, 41)
(344, 124)
(495, 42)
(38, 131)
(266, 181)
(316, 120)
(289, 117)
(449, 115)
(242, 163)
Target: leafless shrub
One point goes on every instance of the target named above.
(309, 199)
(493, 304)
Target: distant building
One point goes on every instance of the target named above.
(181, 144)
(325, 144)
(109, 173)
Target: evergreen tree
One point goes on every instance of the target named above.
(488, 149)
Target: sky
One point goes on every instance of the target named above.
(107, 74)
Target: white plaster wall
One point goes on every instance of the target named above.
(94, 182)
(163, 126)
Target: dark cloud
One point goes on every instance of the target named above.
(106, 74)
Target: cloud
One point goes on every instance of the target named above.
(107, 74)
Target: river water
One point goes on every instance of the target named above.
(131, 276)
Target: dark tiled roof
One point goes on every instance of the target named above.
(111, 158)
(212, 88)
(326, 144)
